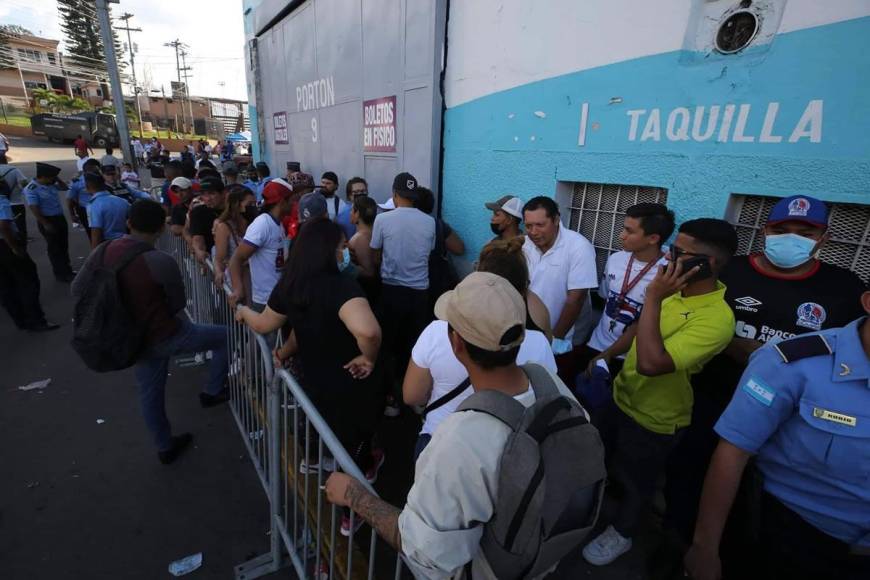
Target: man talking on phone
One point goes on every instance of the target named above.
(685, 321)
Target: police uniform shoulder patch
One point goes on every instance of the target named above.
(803, 347)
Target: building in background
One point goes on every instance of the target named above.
(716, 107)
(32, 62)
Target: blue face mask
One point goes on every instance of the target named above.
(788, 250)
(345, 260)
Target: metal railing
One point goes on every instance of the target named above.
(283, 432)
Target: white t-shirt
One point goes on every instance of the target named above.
(432, 351)
(455, 489)
(110, 160)
(80, 164)
(267, 236)
(616, 317)
(568, 265)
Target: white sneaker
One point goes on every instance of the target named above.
(606, 548)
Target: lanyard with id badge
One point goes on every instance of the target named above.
(620, 309)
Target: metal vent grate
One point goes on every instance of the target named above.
(598, 210)
(849, 246)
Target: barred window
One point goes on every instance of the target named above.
(849, 229)
(597, 211)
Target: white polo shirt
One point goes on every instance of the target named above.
(568, 265)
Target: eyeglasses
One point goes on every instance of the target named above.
(677, 252)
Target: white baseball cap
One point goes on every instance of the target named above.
(510, 204)
(181, 183)
(388, 205)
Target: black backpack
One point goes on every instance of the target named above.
(105, 336)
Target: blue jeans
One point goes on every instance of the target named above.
(153, 366)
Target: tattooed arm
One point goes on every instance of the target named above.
(343, 490)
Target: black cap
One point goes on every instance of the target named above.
(331, 176)
(46, 170)
(94, 179)
(294, 166)
(211, 184)
(91, 163)
(262, 167)
(110, 168)
(405, 182)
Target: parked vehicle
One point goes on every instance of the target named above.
(98, 129)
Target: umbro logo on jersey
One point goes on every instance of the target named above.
(747, 303)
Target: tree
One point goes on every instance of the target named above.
(7, 31)
(84, 44)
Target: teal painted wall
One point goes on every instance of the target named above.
(525, 139)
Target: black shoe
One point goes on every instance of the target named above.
(42, 327)
(207, 400)
(179, 444)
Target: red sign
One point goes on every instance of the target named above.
(279, 123)
(379, 125)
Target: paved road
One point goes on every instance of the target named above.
(82, 500)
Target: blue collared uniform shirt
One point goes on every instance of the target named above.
(44, 197)
(78, 192)
(808, 421)
(109, 213)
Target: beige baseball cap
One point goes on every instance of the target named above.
(181, 183)
(482, 308)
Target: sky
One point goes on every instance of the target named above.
(213, 30)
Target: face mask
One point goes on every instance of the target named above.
(788, 250)
(345, 260)
(495, 229)
(251, 213)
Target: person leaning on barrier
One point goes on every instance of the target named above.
(802, 408)
(262, 247)
(152, 290)
(444, 529)
(334, 336)
(202, 217)
(229, 228)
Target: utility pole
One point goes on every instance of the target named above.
(186, 68)
(126, 16)
(177, 44)
(115, 78)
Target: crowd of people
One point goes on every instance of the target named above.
(698, 368)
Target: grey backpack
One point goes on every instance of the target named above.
(550, 482)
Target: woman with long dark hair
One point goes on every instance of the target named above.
(335, 338)
(229, 229)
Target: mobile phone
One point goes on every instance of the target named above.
(703, 262)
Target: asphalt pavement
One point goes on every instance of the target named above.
(82, 494)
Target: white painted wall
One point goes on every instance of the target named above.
(496, 45)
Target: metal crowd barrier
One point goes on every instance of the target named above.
(281, 428)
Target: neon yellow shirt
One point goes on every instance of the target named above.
(694, 330)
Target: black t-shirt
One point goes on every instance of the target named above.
(178, 214)
(201, 221)
(325, 343)
(776, 308)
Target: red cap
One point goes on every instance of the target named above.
(275, 191)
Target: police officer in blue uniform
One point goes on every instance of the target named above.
(19, 282)
(41, 195)
(78, 198)
(802, 408)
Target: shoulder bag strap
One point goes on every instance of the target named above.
(444, 399)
